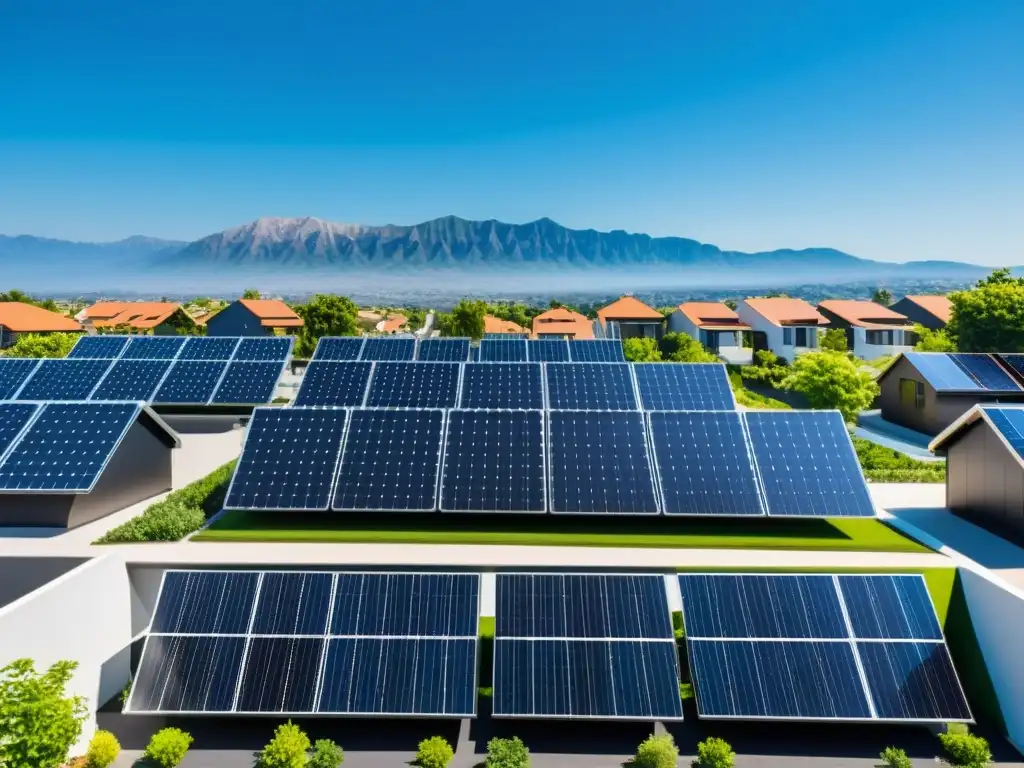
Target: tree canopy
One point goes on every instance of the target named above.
(929, 340)
(15, 295)
(250, 293)
(990, 316)
(42, 345)
(683, 348)
(466, 319)
(39, 722)
(882, 296)
(325, 315)
(641, 350)
(832, 380)
(834, 340)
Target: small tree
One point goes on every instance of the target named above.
(42, 345)
(325, 315)
(168, 747)
(250, 293)
(832, 380)
(882, 296)
(466, 319)
(895, 758)
(657, 752)
(287, 749)
(989, 317)
(434, 752)
(326, 754)
(643, 350)
(834, 340)
(683, 348)
(507, 753)
(39, 722)
(965, 750)
(715, 753)
(103, 750)
(933, 341)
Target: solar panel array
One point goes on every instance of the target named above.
(1010, 423)
(963, 372)
(818, 647)
(295, 643)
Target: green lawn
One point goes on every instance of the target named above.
(682, 533)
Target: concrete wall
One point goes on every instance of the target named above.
(21, 575)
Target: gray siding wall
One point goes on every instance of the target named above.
(922, 420)
(985, 482)
(235, 320)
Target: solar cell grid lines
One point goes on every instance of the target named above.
(942, 372)
(153, 348)
(334, 382)
(1016, 362)
(443, 350)
(338, 348)
(406, 605)
(205, 602)
(209, 348)
(889, 607)
(13, 419)
(259, 348)
(131, 380)
(187, 673)
(547, 350)
(383, 349)
(102, 346)
(596, 351)
(582, 386)
(248, 383)
(502, 385)
(684, 387)
(280, 674)
(913, 681)
(190, 382)
(1010, 424)
(986, 371)
(414, 385)
(14, 372)
(503, 350)
(64, 379)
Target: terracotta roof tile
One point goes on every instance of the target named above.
(939, 306)
(494, 324)
(394, 323)
(137, 314)
(863, 312)
(273, 313)
(704, 314)
(19, 317)
(628, 308)
(562, 322)
(782, 310)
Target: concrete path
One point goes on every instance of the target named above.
(871, 426)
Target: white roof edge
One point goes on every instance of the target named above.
(977, 412)
(158, 420)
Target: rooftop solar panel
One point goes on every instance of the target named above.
(443, 350)
(334, 382)
(406, 604)
(64, 379)
(390, 461)
(153, 348)
(596, 351)
(889, 607)
(248, 383)
(205, 602)
(582, 386)
(599, 464)
(67, 447)
(986, 371)
(338, 348)
(289, 459)
(14, 372)
(503, 350)
(684, 387)
(280, 674)
(941, 372)
(502, 385)
(190, 382)
(268, 349)
(293, 604)
(703, 464)
(807, 464)
(102, 346)
(1016, 362)
(414, 385)
(186, 673)
(1010, 424)
(209, 348)
(13, 419)
(547, 350)
(382, 348)
(131, 380)
(913, 681)
(494, 462)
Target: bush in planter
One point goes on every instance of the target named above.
(965, 750)
(895, 758)
(287, 749)
(507, 753)
(103, 750)
(715, 753)
(168, 746)
(434, 752)
(657, 752)
(326, 754)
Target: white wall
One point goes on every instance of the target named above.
(866, 351)
(83, 616)
(773, 333)
(680, 323)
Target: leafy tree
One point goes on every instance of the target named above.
(466, 319)
(999, 277)
(834, 340)
(24, 298)
(657, 752)
(641, 350)
(326, 754)
(287, 749)
(42, 345)
(730, 303)
(683, 348)
(39, 722)
(666, 311)
(832, 380)
(990, 317)
(434, 752)
(250, 293)
(882, 296)
(507, 753)
(895, 758)
(325, 315)
(715, 753)
(514, 312)
(929, 340)
(965, 750)
(103, 750)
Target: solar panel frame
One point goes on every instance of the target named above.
(590, 387)
(14, 372)
(192, 350)
(171, 382)
(162, 348)
(97, 367)
(443, 350)
(984, 369)
(503, 350)
(10, 437)
(382, 349)
(121, 365)
(654, 374)
(265, 349)
(547, 351)
(942, 372)
(346, 348)
(602, 351)
(481, 386)
(227, 372)
(326, 375)
(116, 343)
(1015, 361)
(1009, 425)
(413, 384)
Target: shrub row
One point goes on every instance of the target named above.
(885, 465)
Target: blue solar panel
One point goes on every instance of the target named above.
(64, 379)
(289, 459)
(986, 371)
(596, 351)
(684, 387)
(547, 350)
(377, 348)
(268, 349)
(414, 385)
(182, 673)
(913, 681)
(13, 418)
(334, 382)
(502, 385)
(941, 372)
(280, 674)
(99, 346)
(890, 607)
(443, 350)
(703, 464)
(503, 350)
(205, 602)
(190, 382)
(153, 348)
(390, 461)
(131, 380)
(209, 348)
(494, 462)
(338, 348)
(1010, 423)
(66, 447)
(582, 386)
(14, 372)
(807, 464)
(248, 383)
(1016, 362)
(293, 604)
(599, 463)
(406, 604)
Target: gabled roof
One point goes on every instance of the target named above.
(628, 308)
(1007, 421)
(962, 373)
(939, 307)
(272, 313)
(782, 310)
(137, 314)
(562, 322)
(864, 313)
(712, 315)
(19, 317)
(494, 324)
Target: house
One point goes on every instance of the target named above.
(781, 325)
(562, 323)
(17, 318)
(928, 391)
(930, 311)
(871, 329)
(393, 323)
(712, 323)
(985, 467)
(495, 325)
(254, 317)
(161, 318)
(629, 318)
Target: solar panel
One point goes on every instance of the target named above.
(13, 418)
(101, 346)
(205, 602)
(503, 350)
(289, 459)
(598, 463)
(1016, 362)
(406, 604)
(334, 382)
(807, 464)
(153, 348)
(190, 382)
(581, 386)
(185, 673)
(913, 681)
(502, 385)
(390, 461)
(131, 380)
(293, 604)
(14, 372)
(986, 371)
(338, 348)
(596, 351)
(264, 348)
(941, 372)
(67, 447)
(684, 387)
(443, 350)
(494, 462)
(209, 348)
(414, 385)
(703, 464)
(280, 674)
(64, 379)
(889, 608)
(248, 383)
(379, 348)
(547, 350)
(1010, 423)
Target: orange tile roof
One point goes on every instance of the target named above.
(18, 317)
(137, 314)
(939, 306)
(494, 324)
(628, 308)
(863, 313)
(273, 313)
(705, 314)
(394, 323)
(562, 322)
(781, 310)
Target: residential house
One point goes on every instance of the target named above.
(392, 324)
(629, 318)
(562, 323)
(930, 311)
(871, 329)
(254, 317)
(161, 318)
(785, 326)
(495, 325)
(713, 324)
(928, 391)
(17, 318)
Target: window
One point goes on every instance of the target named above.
(787, 337)
(912, 394)
(801, 337)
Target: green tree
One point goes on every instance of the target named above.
(657, 752)
(42, 345)
(250, 293)
(834, 340)
(965, 750)
(832, 380)
(287, 749)
(24, 298)
(168, 747)
(990, 317)
(103, 750)
(326, 754)
(999, 277)
(325, 315)
(39, 722)
(434, 752)
(507, 753)
(929, 340)
(882, 296)
(466, 319)
(730, 303)
(641, 350)
(715, 753)
(683, 348)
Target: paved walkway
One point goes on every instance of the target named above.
(871, 426)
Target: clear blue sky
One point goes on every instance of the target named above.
(892, 130)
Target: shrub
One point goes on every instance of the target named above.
(657, 752)
(965, 750)
(326, 754)
(168, 746)
(895, 758)
(434, 752)
(715, 753)
(103, 750)
(507, 753)
(287, 749)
